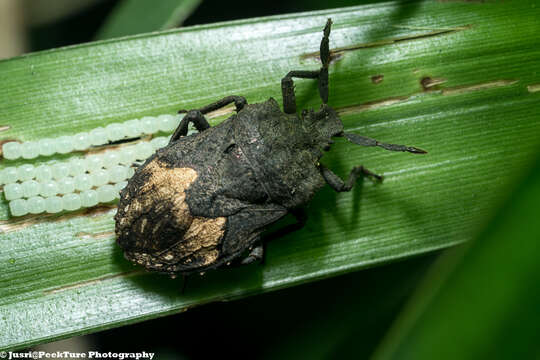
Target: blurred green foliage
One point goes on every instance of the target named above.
(481, 301)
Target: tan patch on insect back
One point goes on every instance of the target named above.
(205, 232)
(163, 192)
(202, 237)
(161, 176)
(199, 245)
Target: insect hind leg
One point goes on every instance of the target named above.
(194, 116)
(197, 116)
(256, 254)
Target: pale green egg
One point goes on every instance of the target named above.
(53, 204)
(43, 173)
(60, 170)
(76, 166)
(48, 188)
(13, 191)
(10, 175)
(111, 158)
(46, 146)
(18, 207)
(98, 136)
(117, 173)
(11, 150)
(99, 177)
(89, 198)
(93, 162)
(132, 128)
(106, 193)
(29, 150)
(81, 141)
(149, 125)
(35, 205)
(30, 188)
(66, 185)
(64, 144)
(71, 202)
(167, 123)
(83, 182)
(26, 172)
(114, 131)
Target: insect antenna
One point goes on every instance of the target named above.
(365, 141)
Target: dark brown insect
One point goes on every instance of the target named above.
(204, 200)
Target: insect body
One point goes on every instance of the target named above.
(204, 200)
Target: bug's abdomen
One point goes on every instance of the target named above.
(154, 224)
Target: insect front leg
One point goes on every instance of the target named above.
(287, 84)
(339, 185)
(287, 88)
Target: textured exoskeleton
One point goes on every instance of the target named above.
(204, 200)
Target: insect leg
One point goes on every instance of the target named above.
(339, 185)
(365, 141)
(197, 118)
(239, 102)
(287, 88)
(256, 254)
(194, 116)
(287, 85)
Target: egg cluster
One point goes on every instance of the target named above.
(84, 140)
(79, 182)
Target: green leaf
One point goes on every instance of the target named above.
(459, 79)
(481, 301)
(132, 17)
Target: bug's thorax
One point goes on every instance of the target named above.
(311, 132)
(320, 126)
(284, 149)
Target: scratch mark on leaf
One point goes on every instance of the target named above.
(372, 105)
(476, 87)
(101, 235)
(92, 282)
(428, 83)
(533, 88)
(377, 79)
(434, 32)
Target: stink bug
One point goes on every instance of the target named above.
(204, 200)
